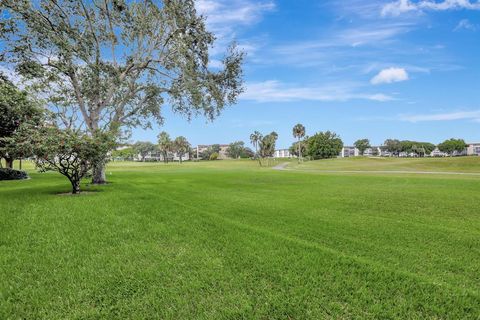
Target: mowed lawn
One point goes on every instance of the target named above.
(230, 240)
(427, 165)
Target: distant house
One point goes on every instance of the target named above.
(373, 151)
(348, 151)
(283, 153)
(158, 156)
(437, 153)
(473, 149)
(222, 155)
(351, 151)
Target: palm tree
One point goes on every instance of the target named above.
(181, 146)
(299, 133)
(255, 137)
(164, 144)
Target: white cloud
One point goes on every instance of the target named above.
(461, 115)
(227, 18)
(390, 75)
(275, 91)
(220, 12)
(465, 24)
(399, 7)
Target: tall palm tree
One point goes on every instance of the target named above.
(181, 146)
(255, 137)
(164, 144)
(299, 133)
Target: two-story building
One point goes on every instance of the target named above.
(283, 153)
(473, 149)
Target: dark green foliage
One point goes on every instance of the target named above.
(324, 145)
(11, 174)
(16, 109)
(452, 146)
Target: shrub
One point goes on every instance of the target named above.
(214, 156)
(11, 174)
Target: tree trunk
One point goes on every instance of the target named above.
(9, 163)
(299, 151)
(75, 186)
(99, 174)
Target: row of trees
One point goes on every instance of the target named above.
(180, 147)
(166, 146)
(450, 147)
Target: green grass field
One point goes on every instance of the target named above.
(459, 164)
(230, 240)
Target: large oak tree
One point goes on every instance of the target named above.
(111, 64)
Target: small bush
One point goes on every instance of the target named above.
(214, 156)
(11, 174)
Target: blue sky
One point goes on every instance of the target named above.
(364, 69)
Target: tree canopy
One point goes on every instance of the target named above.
(298, 133)
(112, 64)
(323, 145)
(267, 145)
(16, 109)
(71, 153)
(236, 149)
(165, 145)
(452, 146)
(143, 148)
(181, 147)
(255, 139)
(362, 145)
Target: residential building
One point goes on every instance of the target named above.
(158, 156)
(222, 155)
(349, 152)
(473, 149)
(373, 151)
(283, 153)
(437, 153)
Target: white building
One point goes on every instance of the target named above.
(349, 152)
(373, 151)
(158, 156)
(283, 153)
(437, 153)
(473, 149)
